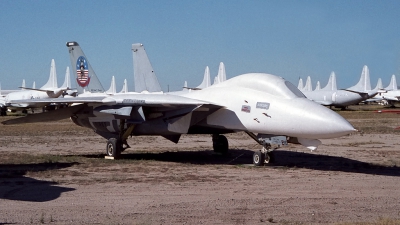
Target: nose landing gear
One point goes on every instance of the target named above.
(269, 143)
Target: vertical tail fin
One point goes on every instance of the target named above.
(112, 89)
(67, 79)
(23, 84)
(379, 85)
(52, 82)
(124, 87)
(308, 86)
(221, 72)
(206, 80)
(318, 86)
(216, 80)
(34, 85)
(144, 77)
(331, 85)
(85, 76)
(393, 84)
(300, 86)
(364, 84)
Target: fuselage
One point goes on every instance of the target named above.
(337, 98)
(30, 94)
(259, 103)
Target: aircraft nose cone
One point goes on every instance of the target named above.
(338, 126)
(320, 122)
(331, 124)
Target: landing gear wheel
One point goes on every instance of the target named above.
(114, 147)
(258, 158)
(220, 144)
(269, 158)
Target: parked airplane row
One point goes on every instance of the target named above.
(268, 108)
(341, 98)
(49, 90)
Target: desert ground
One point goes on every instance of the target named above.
(55, 173)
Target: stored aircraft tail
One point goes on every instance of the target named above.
(364, 84)
(331, 85)
(308, 86)
(85, 76)
(379, 85)
(52, 82)
(112, 89)
(393, 84)
(317, 86)
(144, 77)
(300, 86)
(206, 80)
(124, 87)
(67, 79)
(221, 72)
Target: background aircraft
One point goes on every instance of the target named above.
(49, 90)
(266, 107)
(331, 96)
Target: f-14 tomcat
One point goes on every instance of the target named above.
(267, 107)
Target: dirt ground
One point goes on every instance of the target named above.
(55, 173)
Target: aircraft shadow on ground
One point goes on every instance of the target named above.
(282, 158)
(331, 163)
(14, 185)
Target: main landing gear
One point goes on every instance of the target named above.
(269, 143)
(117, 145)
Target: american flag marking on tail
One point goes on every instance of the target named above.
(82, 72)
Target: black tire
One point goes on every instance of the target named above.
(113, 148)
(3, 111)
(258, 158)
(220, 144)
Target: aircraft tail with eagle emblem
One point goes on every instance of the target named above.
(85, 77)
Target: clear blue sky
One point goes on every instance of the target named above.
(291, 39)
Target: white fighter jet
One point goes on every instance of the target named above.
(49, 90)
(268, 108)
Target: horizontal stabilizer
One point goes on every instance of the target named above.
(54, 115)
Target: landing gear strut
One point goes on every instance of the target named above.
(269, 143)
(117, 145)
(220, 143)
(264, 156)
